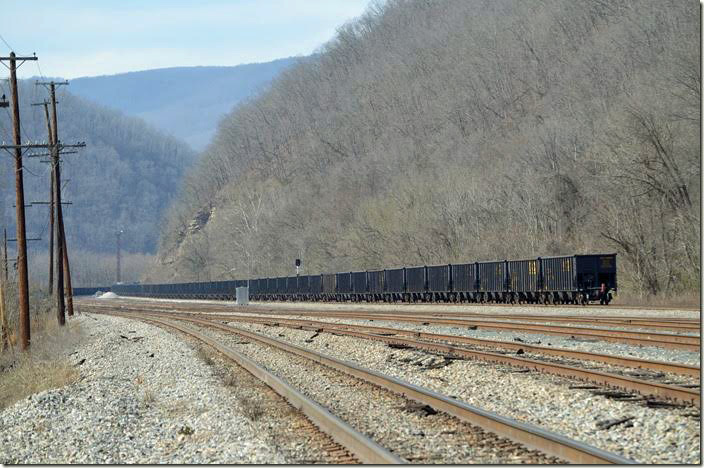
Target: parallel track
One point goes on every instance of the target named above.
(660, 366)
(439, 345)
(528, 435)
(362, 447)
(664, 340)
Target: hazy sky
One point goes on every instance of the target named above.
(75, 38)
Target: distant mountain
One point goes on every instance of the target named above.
(125, 178)
(427, 133)
(185, 102)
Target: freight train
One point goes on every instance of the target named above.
(573, 279)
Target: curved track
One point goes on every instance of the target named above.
(363, 448)
(664, 340)
(439, 344)
(525, 434)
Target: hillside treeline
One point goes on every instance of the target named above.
(124, 178)
(429, 132)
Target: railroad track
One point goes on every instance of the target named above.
(664, 340)
(527, 435)
(350, 445)
(630, 362)
(448, 345)
(669, 323)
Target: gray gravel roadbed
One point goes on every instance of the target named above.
(405, 428)
(143, 396)
(652, 436)
(580, 344)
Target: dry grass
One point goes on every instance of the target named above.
(47, 364)
(204, 355)
(251, 409)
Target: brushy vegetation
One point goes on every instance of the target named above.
(124, 178)
(46, 365)
(451, 131)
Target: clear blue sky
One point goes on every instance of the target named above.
(74, 38)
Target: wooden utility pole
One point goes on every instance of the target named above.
(4, 231)
(58, 224)
(4, 329)
(67, 270)
(63, 273)
(22, 275)
(45, 104)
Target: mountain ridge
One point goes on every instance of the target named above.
(171, 99)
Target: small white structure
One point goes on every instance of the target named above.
(243, 295)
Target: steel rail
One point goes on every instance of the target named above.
(626, 321)
(644, 342)
(365, 449)
(666, 340)
(632, 323)
(681, 394)
(645, 338)
(671, 367)
(528, 435)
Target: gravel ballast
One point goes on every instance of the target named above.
(652, 436)
(143, 396)
(591, 345)
(405, 428)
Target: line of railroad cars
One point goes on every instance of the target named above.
(90, 291)
(575, 279)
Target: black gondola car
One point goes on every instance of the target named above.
(315, 286)
(89, 291)
(344, 283)
(329, 286)
(375, 282)
(439, 280)
(395, 283)
(415, 281)
(492, 280)
(570, 278)
(465, 282)
(524, 279)
(359, 283)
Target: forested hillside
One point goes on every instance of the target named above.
(185, 102)
(445, 131)
(124, 178)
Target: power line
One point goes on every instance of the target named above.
(8, 45)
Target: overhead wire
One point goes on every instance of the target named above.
(4, 41)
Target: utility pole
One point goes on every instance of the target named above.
(23, 277)
(63, 271)
(62, 262)
(68, 289)
(4, 231)
(119, 233)
(4, 329)
(51, 203)
(58, 224)
(51, 241)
